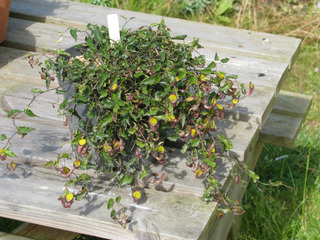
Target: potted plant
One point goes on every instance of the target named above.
(123, 99)
(4, 17)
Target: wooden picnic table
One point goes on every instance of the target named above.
(175, 210)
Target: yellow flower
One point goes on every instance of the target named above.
(235, 101)
(213, 101)
(220, 75)
(205, 122)
(177, 78)
(107, 148)
(76, 163)
(171, 117)
(173, 98)
(82, 142)
(136, 195)
(219, 107)
(212, 124)
(69, 197)
(116, 144)
(189, 99)
(202, 77)
(153, 121)
(193, 132)
(113, 87)
(13, 165)
(199, 173)
(161, 149)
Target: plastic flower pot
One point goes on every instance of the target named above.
(4, 17)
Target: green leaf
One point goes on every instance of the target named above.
(213, 181)
(73, 33)
(3, 137)
(209, 162)
(36, 90)
(62, 52)
(113, 213)
(180, 37)
(85, 160)
(253, 175)
(30, 113)
(183, 119)
(81, 195)
(212, 65)
(24, 130)
(225, 87)
(173, 138)
(13, 111)
(126, 179)
(60, 92)
(225, 141)
(149, 81)
(224, 6)
(9, 153)
(232, 76)
(132, 131)
(184, 148)
(162, 117)
(118, 199)
(163, 56)
(49, 164)
(225, 60)
(143, 174)
(97, 35)
(195, 142)
(110, 203)
(153, 111)
(84, 177)
(206, 71)
(216, 57)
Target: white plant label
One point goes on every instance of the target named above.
(113, 25)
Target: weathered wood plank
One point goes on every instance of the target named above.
(292, 104)
(216, 38)
(39, 232)
(14, 66)
(284, 123)
(159, 214)
(280, 130)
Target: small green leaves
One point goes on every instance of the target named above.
(25, 130)
(179, 37)
(62, 52)
(253, 175)
(14, 111)
(9, 153)
(36, 90)
(73, 33)
(126, 180)
(110, 203)
(3, 137)
(30, 113)
(225, 141)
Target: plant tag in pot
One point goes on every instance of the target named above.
(113, 25)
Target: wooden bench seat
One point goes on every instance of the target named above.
(284, 122)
